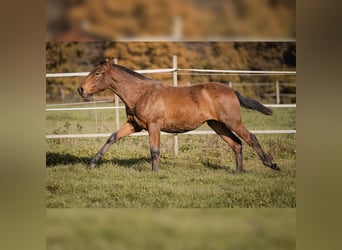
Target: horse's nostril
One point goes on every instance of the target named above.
(80, 91)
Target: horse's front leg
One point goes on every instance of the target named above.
(154, 134)
(125, 130)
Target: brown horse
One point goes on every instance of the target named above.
(156, 107)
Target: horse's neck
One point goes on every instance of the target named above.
(130, 88)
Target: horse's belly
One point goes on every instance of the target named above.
(177, 130)
(181, 125)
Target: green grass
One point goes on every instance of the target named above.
(165, 229)
(202, 175)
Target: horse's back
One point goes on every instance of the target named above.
(198, 91)
(206, 98)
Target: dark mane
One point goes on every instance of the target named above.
(127, 70)
(131, 72)
(101, 63)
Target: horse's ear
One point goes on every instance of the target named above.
(109, 60)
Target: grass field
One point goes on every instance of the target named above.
(202, 175)
(166, 229)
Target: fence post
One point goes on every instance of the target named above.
(116, 100)
(277, 93)
(175, 83)
(96, 127)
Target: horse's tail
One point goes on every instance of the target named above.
(252, 104)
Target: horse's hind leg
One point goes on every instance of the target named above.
(125, 130)
(252, 141)
(154, 138)
(227, 135)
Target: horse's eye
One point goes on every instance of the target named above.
(97, 73)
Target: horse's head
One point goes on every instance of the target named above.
(97, 80)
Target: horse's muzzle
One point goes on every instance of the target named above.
(80, 91)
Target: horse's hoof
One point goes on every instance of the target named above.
(91, 165)
(275, 167)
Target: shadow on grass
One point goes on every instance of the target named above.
(215, 166)
(58, 159)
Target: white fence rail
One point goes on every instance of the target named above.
(142, 71)
(122, 107)
(145, 133)
(171, 70)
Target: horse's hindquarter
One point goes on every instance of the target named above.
(180, 109)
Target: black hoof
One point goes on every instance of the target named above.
(275, 167)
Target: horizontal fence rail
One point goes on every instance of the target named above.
(122, 107)
(141, 71)
(240, 71)
(145, 133)
(170, 70)
(88, 108)
(79, 103)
